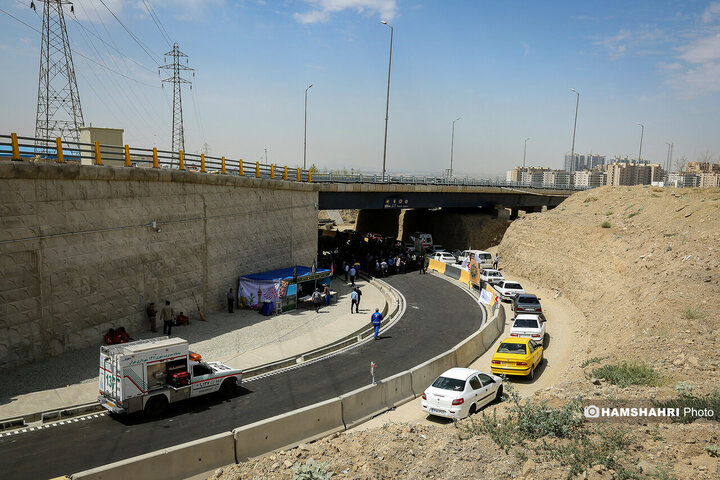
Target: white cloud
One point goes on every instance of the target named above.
(701, 80)
(670, 66)
(622, 42)
(711, 12)
(702, 50)
(322, 9)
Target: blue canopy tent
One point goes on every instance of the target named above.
(278, 286)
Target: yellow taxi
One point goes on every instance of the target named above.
(517, 356)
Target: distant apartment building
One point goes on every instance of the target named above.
(557, 179)
(589, 179)
(633, 173)
(526, 175)
(683, 180)
(702, 167)
(707, 180)
(583, 162)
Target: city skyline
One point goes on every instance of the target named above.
(506, 69)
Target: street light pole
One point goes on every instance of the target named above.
(667, 160)
(524, 151)
(572, 152)
(305, 135)
(387, 101)
(637, 168)
(452, 146)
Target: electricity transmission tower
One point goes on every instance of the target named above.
(178, 134)
(58, 106)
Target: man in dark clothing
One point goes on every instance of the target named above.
(359, 292)
(152, 316)
(230, 300)
(317, 299)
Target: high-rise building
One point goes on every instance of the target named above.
(583, 162)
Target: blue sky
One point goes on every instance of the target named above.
(505, 67)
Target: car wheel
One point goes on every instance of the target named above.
(156, 406)
(499, 394)
(531, 375)
(473, 409)
(228, 387)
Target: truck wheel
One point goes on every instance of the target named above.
(156, 406)
(228, 387)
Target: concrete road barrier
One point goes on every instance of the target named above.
(474, 346)
(288, 430)
(424, 374)
(366, 402)
(181, 461)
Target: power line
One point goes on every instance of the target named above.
(137, 40)
(157, 22)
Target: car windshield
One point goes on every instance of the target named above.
(485, 256)
(514, 286)
(525, 323)
(518, 348)
(494, 274)
(531, 300)
(449, 384)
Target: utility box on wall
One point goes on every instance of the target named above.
(113, 157)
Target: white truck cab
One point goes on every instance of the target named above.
(148, 375)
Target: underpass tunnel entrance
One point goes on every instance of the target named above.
(456, 228)
(384, 222)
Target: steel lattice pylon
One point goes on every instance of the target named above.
(178, 134)
(59, 113)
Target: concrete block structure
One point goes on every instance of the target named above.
(85, 248)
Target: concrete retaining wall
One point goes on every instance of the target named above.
(288, 430)
(78, 253)
(366, 402)
(181, 461)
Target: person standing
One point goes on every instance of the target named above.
(495, 261)
(421, 261)
(353, 272)
(152, 316)
(326, 291)
(384, 268)
(347, 269)
(166, 316)
(317, 299)
(376, 320)
(354, 300)
(230, 300)
(359, 292)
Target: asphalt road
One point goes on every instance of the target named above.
(438, 316)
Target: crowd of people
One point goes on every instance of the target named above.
(352, 253)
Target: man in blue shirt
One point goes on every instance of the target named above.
(354, 301)
(376, 319)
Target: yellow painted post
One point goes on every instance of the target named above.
(285, 173)
(272, 171)
(181, 165)
(257, 169)
(98, 159)
(202, 162)
(223, 165)
(127, 156)
(156, 164)
(309, 176)
(240, 163)
(15, 147)
(58, 143)
(298, 174)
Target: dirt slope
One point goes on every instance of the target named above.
(646, 287)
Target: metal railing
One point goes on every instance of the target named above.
(65, 151)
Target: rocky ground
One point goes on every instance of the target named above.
(642, 265)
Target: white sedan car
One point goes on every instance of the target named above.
(507, 289)
(527, 325)
(445, 257)
(460, 392)
(493, 277)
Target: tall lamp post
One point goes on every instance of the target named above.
(525, 151)
(572, 152)
(387, 101)
(305, 135)
(452, 146)
(667, 160)
(637, 168)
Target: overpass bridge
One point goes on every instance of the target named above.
(335, 191)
